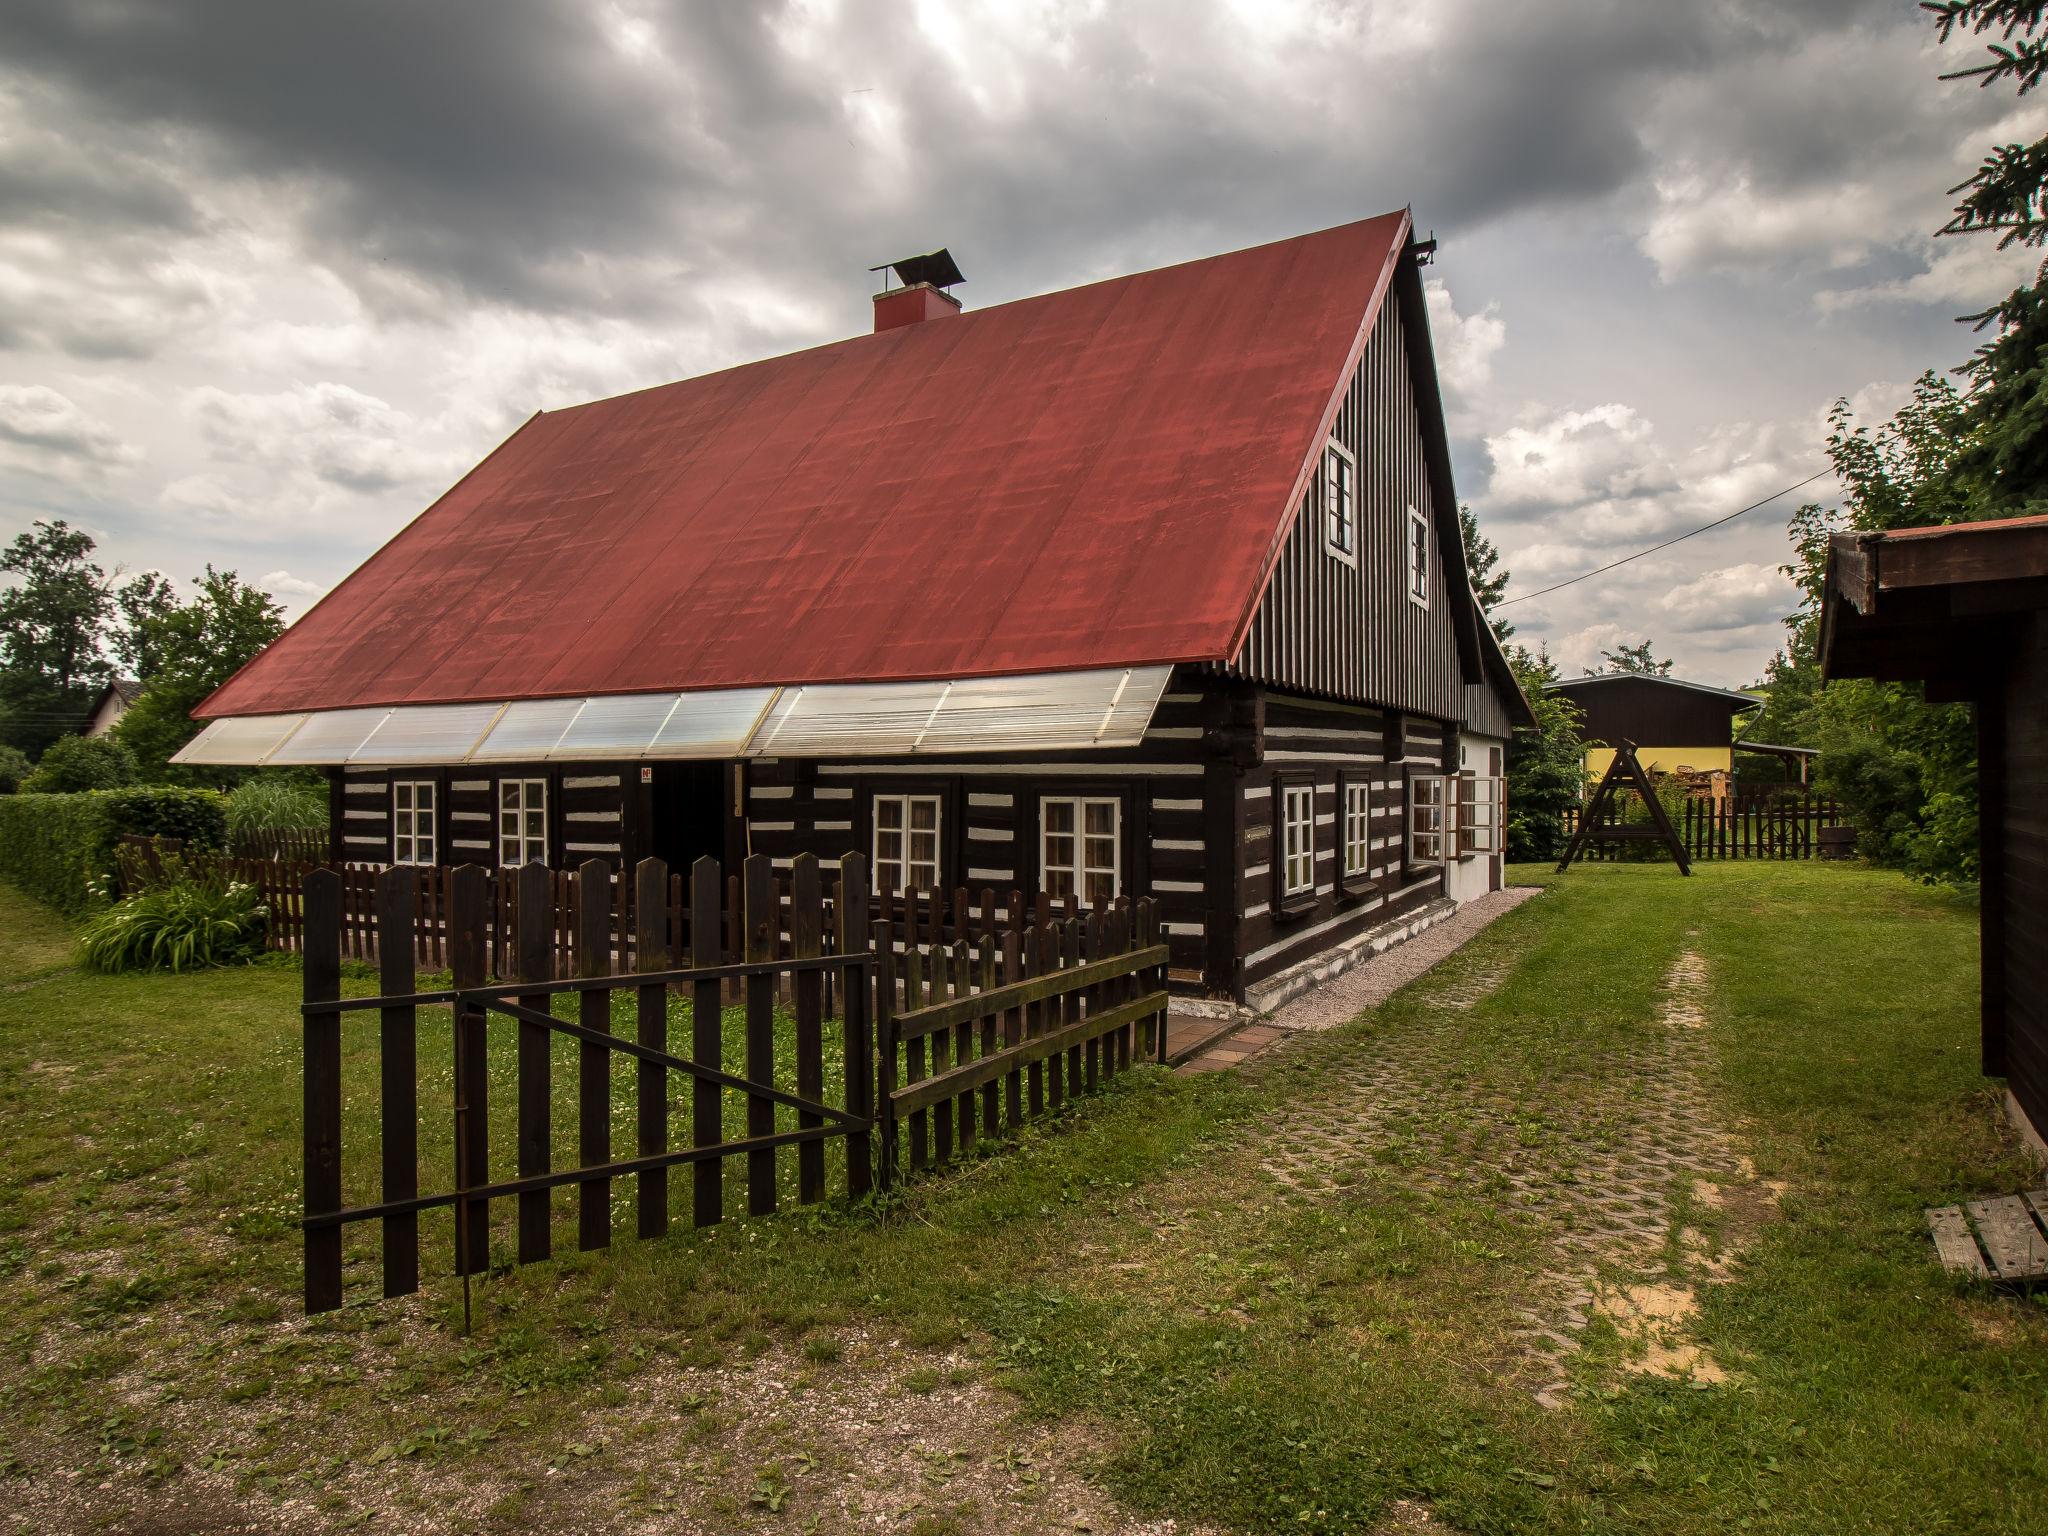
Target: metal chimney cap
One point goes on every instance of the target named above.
(936, 267)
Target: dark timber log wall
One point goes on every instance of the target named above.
(989, 817)
(1328, 627)
(1328, 743)
(595, 810)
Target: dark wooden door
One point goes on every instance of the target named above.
(688, 813)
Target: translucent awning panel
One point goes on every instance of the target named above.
(1046, 712)
(527, 731)
(328, 736)
(713, 724)
(1042, 712)
(426, 733)
(238, 739)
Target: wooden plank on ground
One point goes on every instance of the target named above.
(1952, 1241)
(2011, 1240)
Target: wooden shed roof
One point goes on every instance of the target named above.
(1094, 478)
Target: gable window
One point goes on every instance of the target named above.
(1298, 839)
(1340, 502)
(1357, 828)
(906, 843)
(1418, 559)
(412, 822)
(1080, 848)
(522, 822)
(1428, 819)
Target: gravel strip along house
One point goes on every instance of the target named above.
(1150, 587)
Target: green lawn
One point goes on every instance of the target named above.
(1197, 1338)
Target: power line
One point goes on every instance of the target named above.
(1703, 528)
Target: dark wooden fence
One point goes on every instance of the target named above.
(303, 845)
(984, 1024)
(1781, 827)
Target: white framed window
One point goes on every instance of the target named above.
(1418, 559)
(906, 843)
(1357, 828)
(1080, 848)
(1297, 839)
(412, 822)
(1340, 502)
(1428, 818)
(522, 822)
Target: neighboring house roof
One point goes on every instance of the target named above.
(1931, 604)
(1573, 684)
(1088, 479)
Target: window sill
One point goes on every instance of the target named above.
(1289, 908)
(1358, 887)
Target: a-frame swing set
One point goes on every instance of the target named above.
(1624, 773)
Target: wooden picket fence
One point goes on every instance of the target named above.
(1780, 827)
(983, 1025)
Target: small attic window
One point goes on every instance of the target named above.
(1418, 559)
(1340, 502)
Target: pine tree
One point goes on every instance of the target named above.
(1482, 565)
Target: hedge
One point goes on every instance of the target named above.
(61, 847)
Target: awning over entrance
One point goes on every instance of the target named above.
(1052, 711)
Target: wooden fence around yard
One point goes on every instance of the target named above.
(1781, 827)
(954, 1024)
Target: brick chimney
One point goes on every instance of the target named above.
(919, 293)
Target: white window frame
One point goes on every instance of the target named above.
(1079, 869)
(414, 838)
(1418, 559)
(1296, 848)
(1428, 835)
(519, 847)
(1340, 465)
(1357, 817)
(906, 866)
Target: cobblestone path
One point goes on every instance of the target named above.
(1596, 1172)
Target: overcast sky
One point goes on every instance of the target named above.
(272, 276)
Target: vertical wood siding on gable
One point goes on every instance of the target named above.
(1325, 627)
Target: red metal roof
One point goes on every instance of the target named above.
(1092, 478)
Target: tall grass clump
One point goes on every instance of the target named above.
(181, 926)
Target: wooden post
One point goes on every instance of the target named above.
(763, 920)
(883, 939)
(533, 961)
(850, 914)
(707, 1038)
(807, 942)
(398, 1070)
(913, 1053)
(1014, 950)
(594, 1062)
(321, 1047)
(651, 953)
(468, 959)
(991, 1093)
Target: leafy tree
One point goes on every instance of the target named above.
(1482, 564)
(143, 603)
(1640, 658)
(2005, 470)
(76, 763)
(196, 646)
(14, 767)
(1546, 767)
(50, 621)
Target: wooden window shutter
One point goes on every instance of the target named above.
(1468, 803)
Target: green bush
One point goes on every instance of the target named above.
(76, 763)
(180, 927)
(60, 848)
(277, 803)
(14, 767)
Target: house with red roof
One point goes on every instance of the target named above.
(1148, 587)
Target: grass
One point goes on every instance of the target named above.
(1226, 1348)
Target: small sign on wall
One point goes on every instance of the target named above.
(646, 775)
